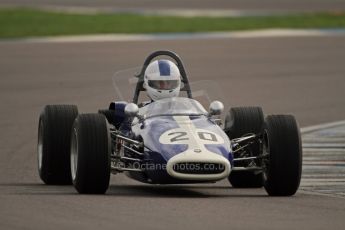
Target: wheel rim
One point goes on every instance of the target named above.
(74, 155)
(40, 145)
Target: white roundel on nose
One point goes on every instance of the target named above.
(188, 134)
(196, 139)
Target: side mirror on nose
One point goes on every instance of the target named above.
(216, 108)
(131, 110)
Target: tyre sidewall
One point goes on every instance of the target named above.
(93, 140)
(283, 173)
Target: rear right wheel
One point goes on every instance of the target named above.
(90, 154)
(241, 121)
(53, 149)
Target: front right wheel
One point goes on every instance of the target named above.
(283, 166)
(90, 154)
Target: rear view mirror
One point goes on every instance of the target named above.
(216, 108)
(131, 110)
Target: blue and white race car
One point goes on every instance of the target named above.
(169, 141)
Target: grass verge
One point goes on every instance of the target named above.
(22, 22)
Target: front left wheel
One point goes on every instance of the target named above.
(109, 114)
(90, 154)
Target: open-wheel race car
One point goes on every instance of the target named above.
(173, 140)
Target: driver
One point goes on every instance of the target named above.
(162, 80)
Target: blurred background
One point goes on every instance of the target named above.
(284, 55)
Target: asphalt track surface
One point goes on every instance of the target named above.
(246, 5)
(303, 76)
(324, 159)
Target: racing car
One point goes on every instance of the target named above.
(173, 140)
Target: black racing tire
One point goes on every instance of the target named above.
(245, 179)
(54, 136)
(243, 120)
(90, 154)
(109, 114)
(284, 165)
(239, 122)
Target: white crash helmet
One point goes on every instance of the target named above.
(162, 79)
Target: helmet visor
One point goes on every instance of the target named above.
(163, 85)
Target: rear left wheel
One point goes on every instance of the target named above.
(90, 154)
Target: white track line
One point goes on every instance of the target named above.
(314, 128)
(269, 33)
(177, 12)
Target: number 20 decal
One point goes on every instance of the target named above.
(179, 136)
(182, 136)
(207, 136)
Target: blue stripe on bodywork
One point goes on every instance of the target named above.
(154, 128)
(164, 68)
